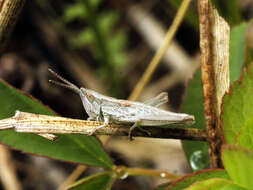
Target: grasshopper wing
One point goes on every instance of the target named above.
(178, 119)
(159, 100)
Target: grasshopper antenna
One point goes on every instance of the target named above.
(65, 83)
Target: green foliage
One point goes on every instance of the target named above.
(74, 11)
(214, 184)
(237, 111)
(162, 187)
(78, 11)
(229, 10)
(107, 45)
(97, 181)
(188, 180)
(238, 163)
(237, 175)
(72, 148)
(237, 50)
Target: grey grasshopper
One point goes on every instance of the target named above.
(107, 109)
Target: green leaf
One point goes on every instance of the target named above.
(196, 152)
(238, 162)
(237, 50)
(107, 20)
(72, 148)
(229, 10)
(116, 44)
(188, 180)
(214, 184)
(245, 137)
(117, 41)
(75, 11)
(237, 110)
(83, 38)
(163, 186)
(249, 53)
(97, 181)
(95, 3)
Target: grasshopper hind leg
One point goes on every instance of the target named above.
(137, 125)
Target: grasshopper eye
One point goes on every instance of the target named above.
(90, 97)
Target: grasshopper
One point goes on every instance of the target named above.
(108, 109)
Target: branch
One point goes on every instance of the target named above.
(44, 124)
(214, 43)
(9, 12)
(8, 175)
(73, 177)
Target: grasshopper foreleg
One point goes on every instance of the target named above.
(100, 117)
(106, 122)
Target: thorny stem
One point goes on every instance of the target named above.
(160, 53)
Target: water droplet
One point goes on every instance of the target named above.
(163, 175)
(199, 160)
(124, 176)
(121, 172)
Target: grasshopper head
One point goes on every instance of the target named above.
(89, 102)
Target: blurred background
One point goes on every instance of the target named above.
(105, 46)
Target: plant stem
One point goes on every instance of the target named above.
(73, 177)
(93, 22)
(214, 43)
(89, 178)
(9, 13)
(207, 74)
(122, 172)
(159, 54)
(149, 172)
(8, 173)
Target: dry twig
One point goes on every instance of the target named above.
(9, 13)
(214, 42)
(44, 124)
(7, 171)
